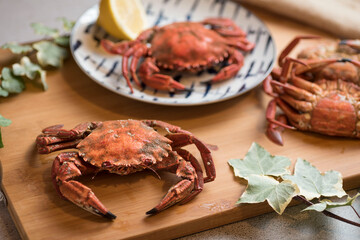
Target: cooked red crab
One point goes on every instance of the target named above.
(124, 147)
(319, 91)
(182, 46)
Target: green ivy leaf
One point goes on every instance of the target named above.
(313, 184)
(327, 204)
(16, 48)
(4, 122)
(3, 92)
(63, 41)
(50, 54)
(261, 188)
(30, 70)
(41, 29)
(26, 68)
(259, 161)
(67, 24)
(43, 79)
(1, 143)
(10, 82)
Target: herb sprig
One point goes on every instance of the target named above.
(49, 53)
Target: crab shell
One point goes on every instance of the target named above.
(187, 46)
(124, 146)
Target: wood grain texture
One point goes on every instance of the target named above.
(233, 125)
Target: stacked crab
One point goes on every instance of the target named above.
(318, 91)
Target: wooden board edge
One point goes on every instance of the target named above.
(14, 216)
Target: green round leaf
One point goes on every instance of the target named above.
(3, 92)
(16, 48)
(26, 68)
(40, 29)
(4, 122)
(50, 54)
(10, 82)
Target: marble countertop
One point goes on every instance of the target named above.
(15, 17)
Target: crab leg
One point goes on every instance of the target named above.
(125, 63)
(199, 181)
(182, 138)
(77, 132)
(287, 69)
(157, 81)
(268, 89)
(57, 146)
(300, 121)
(179, 191)
(296, 92)
(234, 35)
(271, 113)
(116, 48)
(141, 51)
(147, 34)
(123, 46)
(302, 106)
(306, 85)
(275, 126)
(68, 166)
(314, 64)
(291, 46)
(55, 138)
(224, 26)
(236, 60)
(352, 43)
(240, 43)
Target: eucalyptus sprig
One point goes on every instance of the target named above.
(50, 52)
(269, 179)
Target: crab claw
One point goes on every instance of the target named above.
(82, 196)
(175, 194)
(115, 48)
(181, 191)
(274, 132)
(68, 166)
(148, 73)
(236, 61)
(276, 124)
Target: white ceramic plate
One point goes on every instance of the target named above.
(105, 68)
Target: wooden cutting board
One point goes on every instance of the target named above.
(233, 125)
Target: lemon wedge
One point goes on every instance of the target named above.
(123, 19)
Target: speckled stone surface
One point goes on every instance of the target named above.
(293, 224)
(7, 228)
(15, 17)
